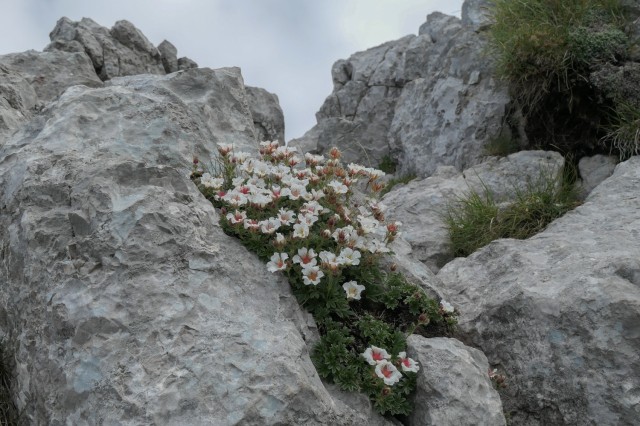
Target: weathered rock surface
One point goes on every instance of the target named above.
(560, 312)
(594, 170)
(120, 51)
(185, 63)
(453, 385)
(17, 101)
(123, 299)
(425, 100)
(169, 56)
(420, 204)
(268, 118)
(51, 73)
(216, 100)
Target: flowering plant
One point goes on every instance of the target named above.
(305, 218)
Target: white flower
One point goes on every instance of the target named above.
(368, 224)
(300, 230)
(235, 199)
(294, 192)
(236, 217)
(338, 187)
(353, 290)
(446, 306)
(278, 262)
(280, 239)
(270, 225)
(408, 364)
(261, 200)
(330, 259)
(374, 355)
(209, 181)
(305, 257)
(388, 373)
(308, 218)
(349, 257)
(312, 275)
(286, 216)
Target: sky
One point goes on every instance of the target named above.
(284, 46)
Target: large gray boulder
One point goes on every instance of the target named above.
(421, 204)
(17, 101)
(268, 118)
(560, 312)
(123, 300)
(120, 51)
(51, 73)
(454, 388)
(425, 100)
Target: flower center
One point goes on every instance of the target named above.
(386, 372)
(377, 356)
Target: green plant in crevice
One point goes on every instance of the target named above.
(300, 216)
(547, 51)
(9, 414)
(623, 135)
(476, 219)
(388, 165)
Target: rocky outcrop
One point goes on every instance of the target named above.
(17, 101)
(453, 385)
(594, 170)
(268, 118)
(120, 51)
(51, 73)
(421, 203)
(425, 100)
(122, 298)
(560, 312)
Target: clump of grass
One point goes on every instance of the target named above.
(402, 180)
(477, 219)
(624, 131)
(9, 415)
(544, 46)
(501, 146)
(388, 165)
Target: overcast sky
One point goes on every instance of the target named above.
(284, 46)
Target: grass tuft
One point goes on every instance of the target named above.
(476, 219)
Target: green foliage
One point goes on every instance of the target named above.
(476, 219)
(624, 131)
(250, 193)
(388, 164)
(9, 414)
(402, 180)
(545, 46)
(501, 146)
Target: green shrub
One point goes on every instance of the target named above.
(476, 219)
(388, 165)
(302, 221)
(623, 134)
(547, 46)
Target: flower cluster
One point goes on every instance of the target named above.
(384, 368)
(308, 218)
(296, 199)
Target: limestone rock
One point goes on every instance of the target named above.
(477, 14)
(123, 297)
(424, 100)
(420, 204)
(169, 55)
(17, 101)
(51, 73)
(120, 51)
(268, 118)
(216, 100)
(594, 170)
(560, 312)
(453, 385)
(185, 63)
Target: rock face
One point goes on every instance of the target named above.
(268, 118)
(453, 385)
(594, 170)
(560, 312)
(17, 101)
(121, 295)
(425, 100)
(123, 50)
(51, 73)
(420, 204)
